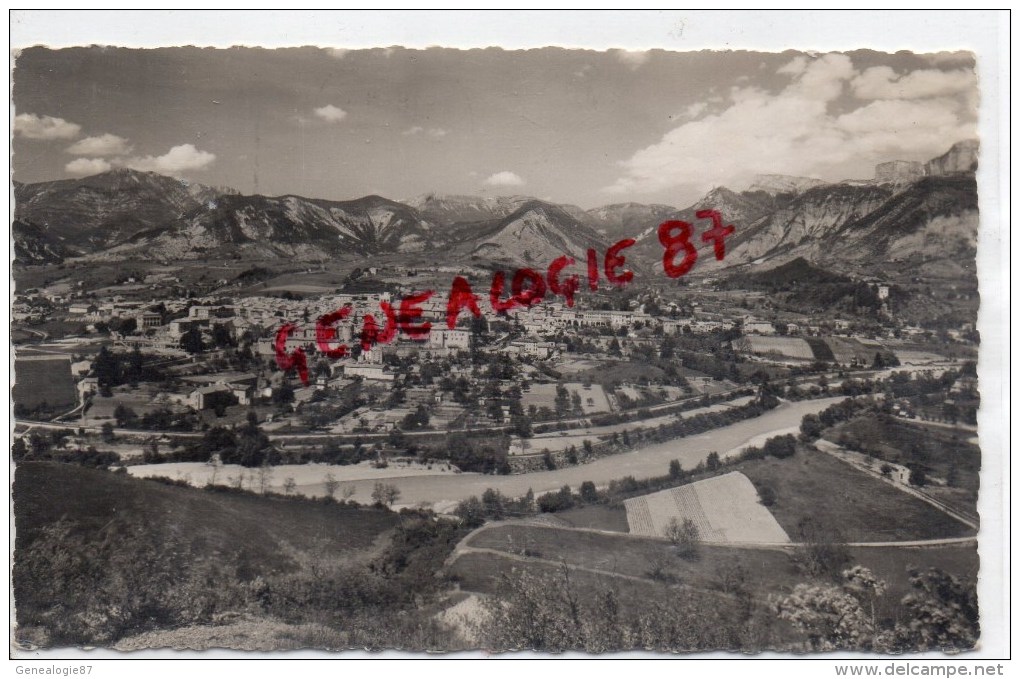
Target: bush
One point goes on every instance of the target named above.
(471, 512)
(555, 502)
(589, 494)
(685, 537)
(781, 446)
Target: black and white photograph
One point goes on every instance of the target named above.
(458, 350)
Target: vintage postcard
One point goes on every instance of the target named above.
(457, 349)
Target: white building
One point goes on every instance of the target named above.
(368, 371)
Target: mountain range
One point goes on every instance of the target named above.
(904, 214)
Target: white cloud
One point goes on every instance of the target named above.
(83, 167)
(505, 178)
(632, 59)
(31, 126)
(179, 159)
(103, 145)
(692, 111)
(337, 52)
(434, 132)
(881, 82)
(330, 113)
(800, 131)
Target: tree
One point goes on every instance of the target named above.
(331, 485)
(106, 432)
(811, 427)
(396, 397)
(283, 394)
(781, 446)
(493, 504)
(942, 613)
(495, 411)
(917, 477)
(823, 552)
(685, 537)
(59, 437)
(471, 512)
(19, 451)
(712, 462)
(385, 494)
(562, 400)
(589, 494)
(106, 368)
(151, 452)
(222, 337)
(835, 617)
(676, 472)
(419, 419)
(266, 478)
(191, 341)
(520, 424)
(289, 485)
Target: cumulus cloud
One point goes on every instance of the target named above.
(809, 128)
(31, 126)
(179, 159)
(504, 178)
(330, 113)
(103, 145)
(337, 52)
(632, 59)
(83, 167)
(881, 82)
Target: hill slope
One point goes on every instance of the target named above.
(100, 555)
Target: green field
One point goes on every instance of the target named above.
(600, 517)
(842, 501)
(39, 382)
(940, 451)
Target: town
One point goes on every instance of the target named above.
(137, 363)
(326, 376)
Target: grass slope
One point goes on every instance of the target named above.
(218, 524)
(766, 572)
(842, 501)
(101, 556)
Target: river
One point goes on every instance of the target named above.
(442, 490)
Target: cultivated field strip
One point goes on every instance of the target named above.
(639, 518)
(686, 499)
(793, 347)
(725, 509)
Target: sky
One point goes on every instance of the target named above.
(571, 126)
